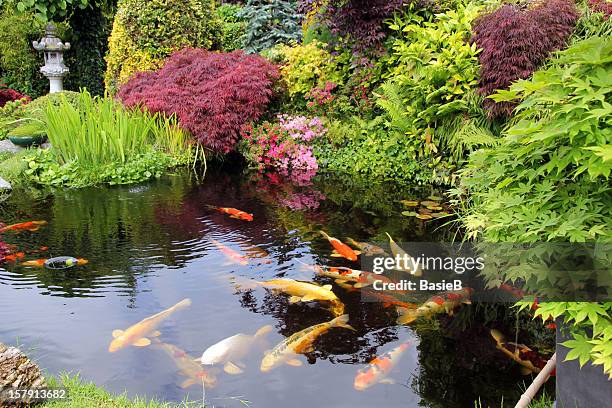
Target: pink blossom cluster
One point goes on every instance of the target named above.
(320, 97)
(302, 128)
(303, 201)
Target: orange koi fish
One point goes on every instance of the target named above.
(234, 213)
(446, 302)
(389, 300)
(341, 249)
(342, 274)
(188, 367)
(529, 360)
(27, 226)
(14, 257)
(379, 368)
(137, 334)
(62, 262)
(230, 254)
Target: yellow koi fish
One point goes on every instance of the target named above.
(137, 334)
(445, 302)
(188, 367)
(343, 275)
(230, 254)
(379, 368)
(529, 360)
(299, 343)
(366, 248)
(232, 350)
(412, 266)
(306, 292)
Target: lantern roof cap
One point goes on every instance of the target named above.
(50, 42)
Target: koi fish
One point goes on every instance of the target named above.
(389, 300)
(446, 302)
(306, 292)
(341, 249)
(14, 257)
(342, 274)
(299, 343)
(137, 334)
(397, 251)
(366, 248)
(232, 350)
(234, 213)
(24, 226)
(188, 367)
(60, 262)
(231, 255)
(528, 359)
(516, 292)
(254, 252)
(379, 368)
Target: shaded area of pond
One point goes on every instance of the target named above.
(151, 245)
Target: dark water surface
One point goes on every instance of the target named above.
(151, 245)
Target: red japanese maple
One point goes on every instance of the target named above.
(212, 94)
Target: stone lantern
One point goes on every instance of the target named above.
(53, 50)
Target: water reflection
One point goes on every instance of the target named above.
(150, 246)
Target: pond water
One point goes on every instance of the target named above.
(151, 245)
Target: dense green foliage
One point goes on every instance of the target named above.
(548, 179)
(102, 142)
(232, 27)
(269, 23)
(19, 62)
(146, 32)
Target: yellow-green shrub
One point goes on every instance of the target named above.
(145, 32)
(308, 66)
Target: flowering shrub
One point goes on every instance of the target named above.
(283, 145)
(9, 95)
(4, 251)
(319, 99)
(515, 42)
(212, 94)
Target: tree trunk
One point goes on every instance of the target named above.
(17, 371)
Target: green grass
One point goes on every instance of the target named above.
(83, 395)
(542, 400)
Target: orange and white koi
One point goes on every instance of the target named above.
(388, 300)
(411, 265)
(306, 292)
(445, 302)
(529, 360)
(366, 248)
(341, 249)
(27, 226)
(342, 274)
(62, 262)
(234, 213)
(188, 367)
(379, 368)
(230, 254)
(299, 343)
(137, 334)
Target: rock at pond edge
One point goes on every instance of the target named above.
(18, 371)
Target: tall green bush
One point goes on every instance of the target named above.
(232, 26)
(549, 177)
(19, 62)
(145, 32)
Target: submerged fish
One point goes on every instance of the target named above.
(60, 262)
(137, 334)
(445, 302)
(234, 213)
(388, 300)
(188, 367)
(299, 343)
(28, 226)
(14, 257)
(412, 266)
(232, 350)
(366, 248)
(529, 360)
(379, 368)
(341, 249)
(306, 292)
(342, 274)
(230, 254)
